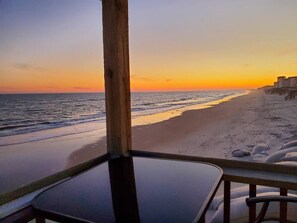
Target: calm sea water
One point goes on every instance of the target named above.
(25, 113)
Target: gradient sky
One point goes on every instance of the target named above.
(56, 45)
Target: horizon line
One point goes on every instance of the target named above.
(157, 91)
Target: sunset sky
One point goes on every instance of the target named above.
(56, 45)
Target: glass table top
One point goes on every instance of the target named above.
(133, 190)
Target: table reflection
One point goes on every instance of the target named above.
(123, 190)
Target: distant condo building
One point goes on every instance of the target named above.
(283, 82)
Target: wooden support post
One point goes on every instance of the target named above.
(116, 75)
(227, 200)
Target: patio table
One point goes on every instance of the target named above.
(133, 189)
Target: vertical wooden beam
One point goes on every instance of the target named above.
(116, 75)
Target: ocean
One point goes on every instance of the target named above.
(42, 134)
(29, 113)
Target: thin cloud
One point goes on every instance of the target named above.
(28, 67)
(246, 65)
(81, 88)
(22, 66)
(288, 51)
(51, 86)
(7, 88)
(275, 50)
(149, 79)
(143, 78)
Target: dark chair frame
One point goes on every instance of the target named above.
(266, 201)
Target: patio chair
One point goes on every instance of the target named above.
(266, 200)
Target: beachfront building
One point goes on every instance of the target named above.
(292, 81)
(275, 84)
(283, 82)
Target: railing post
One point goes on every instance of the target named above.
(252, 209)
(116, 75)
(227, 200)
(40, 220)
(283, 206)
(202, 219)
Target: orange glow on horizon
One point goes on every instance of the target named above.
(56, 47)
(95, 83)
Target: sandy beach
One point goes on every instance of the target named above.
(240, 123)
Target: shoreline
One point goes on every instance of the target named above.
(100, 126)
(239, 123)
(148, 122)
(171, 113)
